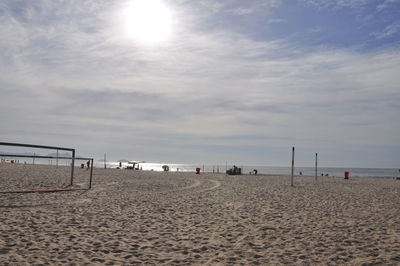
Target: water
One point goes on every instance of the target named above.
(331, 171)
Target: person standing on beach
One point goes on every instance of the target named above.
(88, 164)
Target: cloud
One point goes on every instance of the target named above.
(67, 82)
(337, 3)
(390, 31)
(387, 4)
(255, 6)
(276, 20)
(239, 7)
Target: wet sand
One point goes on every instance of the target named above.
(170, 218)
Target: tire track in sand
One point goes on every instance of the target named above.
(198, 183)
(195, 184)
(217, 184)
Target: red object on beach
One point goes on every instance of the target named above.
(346, 175)
(197, 170)
(82, 165)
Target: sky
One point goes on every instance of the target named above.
(205, 81)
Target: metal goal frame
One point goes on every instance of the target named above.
(73, 158)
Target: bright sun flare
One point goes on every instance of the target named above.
(148, 21)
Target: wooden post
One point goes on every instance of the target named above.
(316, 166)
(57, 159)
(105, 166)
(291, 182)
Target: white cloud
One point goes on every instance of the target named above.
(255, 6)
(380, 5)
(238, 7)
(337, 3)
(390, 31)
(197, 89)
(387, 4)
(276, 20)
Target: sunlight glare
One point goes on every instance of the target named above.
(148, 21)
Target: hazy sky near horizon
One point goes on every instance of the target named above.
(237, 81)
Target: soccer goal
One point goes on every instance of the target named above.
(32, 171)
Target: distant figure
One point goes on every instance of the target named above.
(88, 164)
(326, 175)
(301, 173)
(120, 164)
(255, 171)
(322, 174)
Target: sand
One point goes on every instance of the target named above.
(169, 218)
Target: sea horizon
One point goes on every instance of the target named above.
(261, 169)
(221, 168)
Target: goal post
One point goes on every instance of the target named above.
(72, 158)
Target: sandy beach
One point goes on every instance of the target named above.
(175, 218)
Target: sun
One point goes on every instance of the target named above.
(148, 21)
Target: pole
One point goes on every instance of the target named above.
(105, 166)
(57, 159)
(72, 167)
(226, 168)
(203, 168)
(291, 182)
(33, 162)
(91, 173)
(316, 166)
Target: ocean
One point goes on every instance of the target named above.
(279, 170)
(330, 171)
